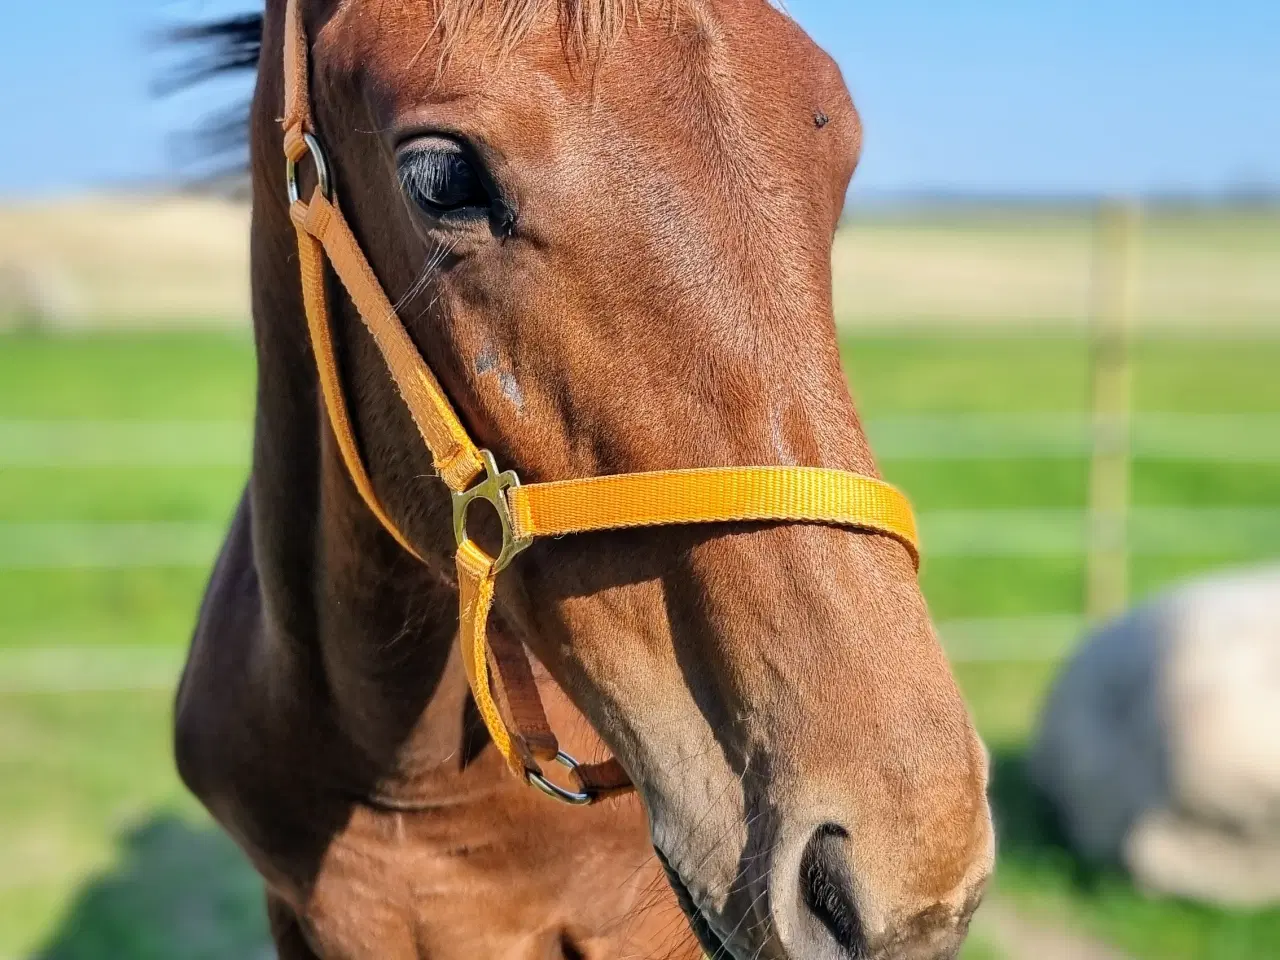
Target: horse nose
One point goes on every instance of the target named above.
(837, 921)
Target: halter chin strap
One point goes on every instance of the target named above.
(519, 727)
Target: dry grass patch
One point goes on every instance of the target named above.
(125, 260)
(1191, 269)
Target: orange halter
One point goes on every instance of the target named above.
(720, 495)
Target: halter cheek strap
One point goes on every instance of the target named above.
(498, 667)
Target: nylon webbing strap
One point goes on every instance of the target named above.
(311, 260)
(456, 458)
(719, 495)
(528, 743)
(497, 667)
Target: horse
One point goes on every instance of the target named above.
(605, 227)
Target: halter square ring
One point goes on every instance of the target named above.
(493, 490)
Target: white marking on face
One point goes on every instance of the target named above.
(488, 362)
(511, 389)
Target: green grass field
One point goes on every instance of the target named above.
(132, 447)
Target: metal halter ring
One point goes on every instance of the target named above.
(322, 170)
(536, 779)
(493, 490)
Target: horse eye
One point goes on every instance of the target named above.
(441, 178)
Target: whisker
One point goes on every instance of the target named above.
(728, 938)
(424, 276)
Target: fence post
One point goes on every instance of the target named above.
(1107, 587)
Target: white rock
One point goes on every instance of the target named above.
(1160, 745)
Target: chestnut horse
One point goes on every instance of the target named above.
(607, 226)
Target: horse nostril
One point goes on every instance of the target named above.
(827, 887)
(569, 948)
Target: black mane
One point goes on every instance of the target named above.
(226, 47)
(232, 45)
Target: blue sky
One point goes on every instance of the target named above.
(1042, 96)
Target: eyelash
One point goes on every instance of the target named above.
(422, 173)
(426, 173)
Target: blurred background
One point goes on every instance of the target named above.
(1058, 293)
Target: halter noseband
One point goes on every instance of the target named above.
(718, 495)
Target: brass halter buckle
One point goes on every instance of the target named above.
(493, 490)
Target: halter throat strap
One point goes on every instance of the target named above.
(497, 666)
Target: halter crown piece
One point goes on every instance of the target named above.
(719, 495)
